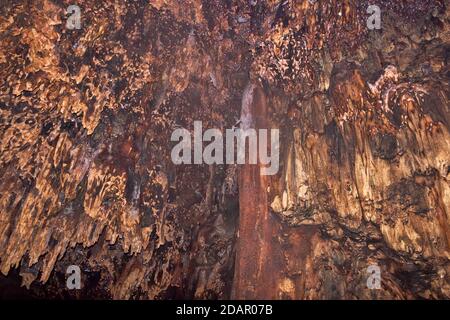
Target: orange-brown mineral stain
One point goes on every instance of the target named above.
(255, 277)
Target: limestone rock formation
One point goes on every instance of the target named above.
(86, 117)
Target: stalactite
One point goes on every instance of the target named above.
(87, 179)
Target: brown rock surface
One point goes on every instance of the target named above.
(86, 175)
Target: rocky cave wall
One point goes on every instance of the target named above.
(86, 175)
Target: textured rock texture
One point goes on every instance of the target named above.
(86, 175)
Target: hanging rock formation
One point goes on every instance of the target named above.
(86, 117)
